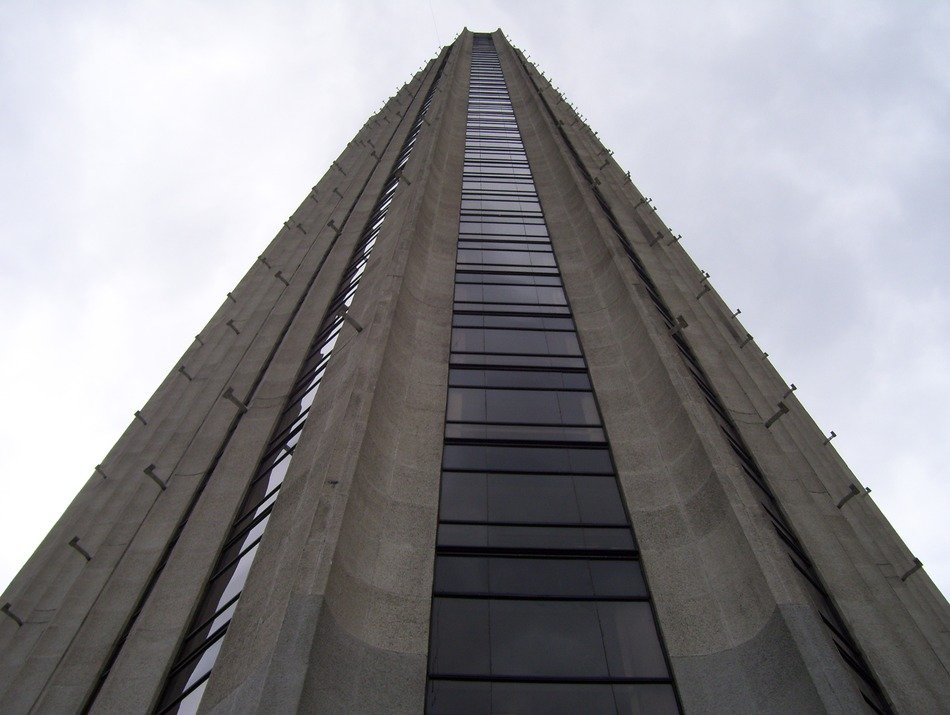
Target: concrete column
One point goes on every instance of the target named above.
(345, 577)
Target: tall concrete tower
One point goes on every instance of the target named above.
(473, 435)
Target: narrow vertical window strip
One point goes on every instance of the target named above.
(538, 594)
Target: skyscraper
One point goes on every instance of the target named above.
(473, 434)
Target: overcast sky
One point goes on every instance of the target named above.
(150, 150)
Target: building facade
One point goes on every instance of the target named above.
(474, 434)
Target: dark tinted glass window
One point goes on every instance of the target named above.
(566, 578)
(552, 698)
(630, 639)
(546, 639)
(456, 621)
(526, 459)
(532, 526)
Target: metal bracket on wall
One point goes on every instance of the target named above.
(917, 565)
(74, 542)
(853, 491)
(829, 438)
(782, 410)
(7, 609)
(149, 471)
(680, 324)
(345, 315)
(183, 371)
(229, 395)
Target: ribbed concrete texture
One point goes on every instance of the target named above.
(778, 586)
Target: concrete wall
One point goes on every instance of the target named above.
(346, 608)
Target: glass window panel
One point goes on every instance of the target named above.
(505, 258)
(231, 580)
(551, 295)
(522, 406)
(202, 665)
(518, 378)
(468, 340)
(506, 270)
(467, 378)
(599, 501)
(591, 461)
(461, 574)
(531, 499)
(577, 408)
(540, 577)
(618, 578)
(520, 342)
(189, 704)
(630, 640)
(458, 697)
(530, 342)
(460, 640)
(551, 698)
(502, 309)
(464, 497)
(523, 433)
(193, 642)
(277, 473)
(466, 405)
(612, 539)
(562, 343)
(546, 639)
(536, 537)
(515, 279)
(531, 406)
(462, 536)
(502, 245)
(252, 531)
(526, 459)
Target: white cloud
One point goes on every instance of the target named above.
(150, 151)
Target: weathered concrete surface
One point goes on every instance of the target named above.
(348, 605)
